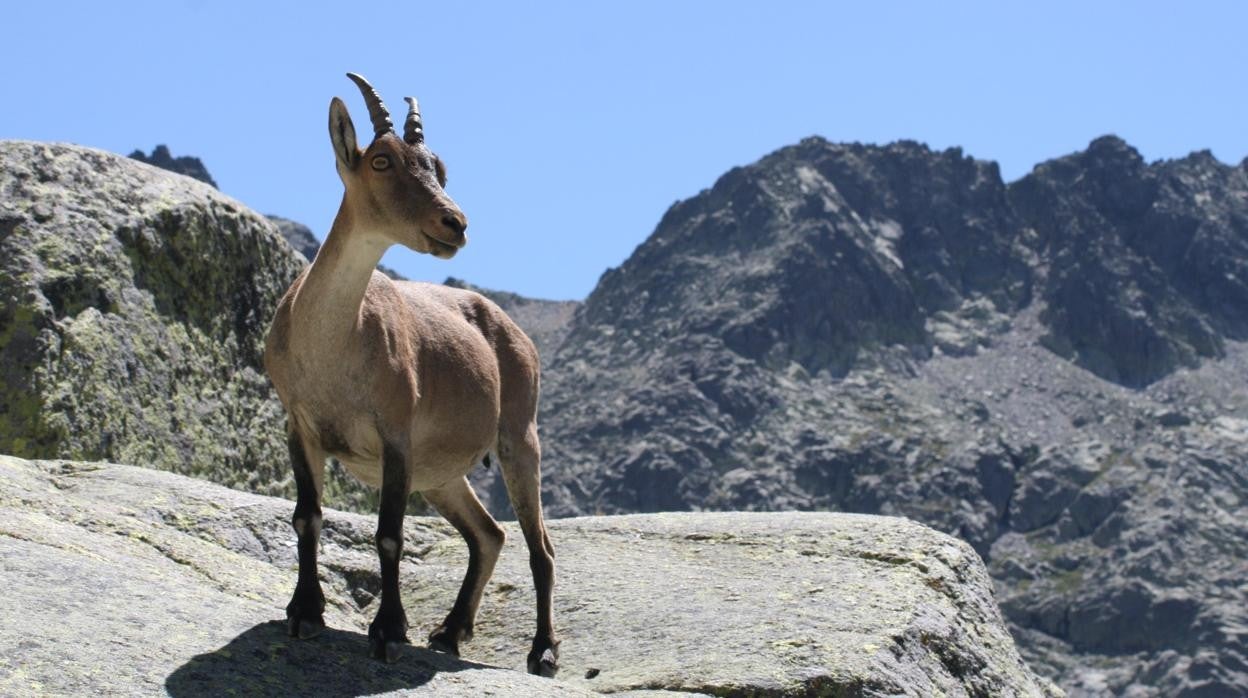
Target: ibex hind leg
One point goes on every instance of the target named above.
(459, 504)
(520, 462)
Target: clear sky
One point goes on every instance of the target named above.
(569, 128)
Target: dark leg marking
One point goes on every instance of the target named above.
(305, 612)
(388, 631)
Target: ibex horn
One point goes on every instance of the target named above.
(376, 110)
(413, 131)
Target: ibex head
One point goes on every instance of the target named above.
(394, 188)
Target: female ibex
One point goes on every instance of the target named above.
(407, 384)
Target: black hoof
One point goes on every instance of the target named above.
(386, 636)
(439, 644)
(305, 615)
(447, 640)
(385, 650)
(305, 628)
(544, 662)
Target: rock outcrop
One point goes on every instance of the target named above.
(133, 310)
(182, 585)
(1148, 264)
(192, 167)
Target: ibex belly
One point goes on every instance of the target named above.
(423, 473)
(436, 457)
(352, 440)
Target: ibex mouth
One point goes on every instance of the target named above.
(439, 249)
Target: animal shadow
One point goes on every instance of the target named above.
(266, 661)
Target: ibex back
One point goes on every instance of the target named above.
(409, 385)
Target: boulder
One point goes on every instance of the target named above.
(133, 309)
(166, 583)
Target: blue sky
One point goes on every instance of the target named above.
(569, 128)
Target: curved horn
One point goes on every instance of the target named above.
(413, 130)
(376, 110)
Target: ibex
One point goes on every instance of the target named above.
(409, 385)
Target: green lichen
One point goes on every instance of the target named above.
(135, 321)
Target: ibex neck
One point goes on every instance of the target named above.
(330, 297)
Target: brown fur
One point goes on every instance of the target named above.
(408, 384)
(427, 365)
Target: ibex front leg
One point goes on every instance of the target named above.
(305, 612)
(388, 630)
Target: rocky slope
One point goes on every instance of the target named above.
(1147, 265)
(726, 604)
(1051, 370)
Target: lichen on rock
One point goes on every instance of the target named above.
(133, 309)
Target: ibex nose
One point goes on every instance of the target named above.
(455, 222)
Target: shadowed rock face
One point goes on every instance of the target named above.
(822, 255)
(726, 604)
(1147, 263)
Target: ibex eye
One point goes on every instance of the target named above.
(381, 162)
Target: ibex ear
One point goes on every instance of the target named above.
(440, 170)
(342, 133)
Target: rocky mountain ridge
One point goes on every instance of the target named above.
(1051, 369)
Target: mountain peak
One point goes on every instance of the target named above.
(1110, 143)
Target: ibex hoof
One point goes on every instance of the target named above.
(438, 644)
(447, 640)
(385, 650)
(386, 635)
(547, 664)
(305, 628)
(301, 620)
